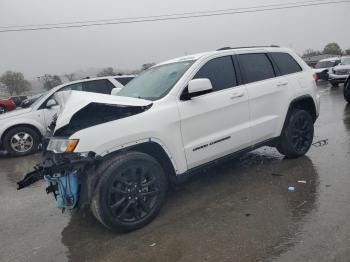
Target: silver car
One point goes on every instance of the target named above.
(339, 73)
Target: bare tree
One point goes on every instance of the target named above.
(310, 52)
(347, 51)
(70, 77)
(147, 65)
(50, 81)
(15, 82)
(108, 71)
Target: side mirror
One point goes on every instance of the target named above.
(51, 103)
(199, 86)
(115, 91)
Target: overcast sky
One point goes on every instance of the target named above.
(128, 46)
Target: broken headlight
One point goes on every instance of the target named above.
(59, 145)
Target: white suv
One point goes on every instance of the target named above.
(119, 153)
(21, 130)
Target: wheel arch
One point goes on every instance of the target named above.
(154, 149)
(22, 125)
(305, 102)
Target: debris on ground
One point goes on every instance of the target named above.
(320, 143)
(152, 245)
(302, 181)
(303, 203)
(276, 174)
(291, 189)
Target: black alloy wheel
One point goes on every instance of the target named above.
(347, 90)
(133, 194)
(302, 133)
(130, 191)
(297, 134)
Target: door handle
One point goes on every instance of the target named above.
(237, 94)
(282, 83)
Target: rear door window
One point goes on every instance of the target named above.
(256, 67)
(285, 63)
(220, 72)
(98, 86)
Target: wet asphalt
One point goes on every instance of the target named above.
(238, 211)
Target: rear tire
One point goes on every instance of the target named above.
(297, 134)
(334, 84)
(347, 91)
(21, 141)
(130, 192)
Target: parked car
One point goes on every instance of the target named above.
(347, 89)
(21, 130)
(119, 153)
(339, 73)
(30, 100)
(6, 105)
(322, 67)
(18, 99)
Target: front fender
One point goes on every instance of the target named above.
(6, 124)
(142, 141)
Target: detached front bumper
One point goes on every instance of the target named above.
(64, 174)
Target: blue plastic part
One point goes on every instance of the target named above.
(67, 189)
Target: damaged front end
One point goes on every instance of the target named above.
(70, 174)
(66, 175)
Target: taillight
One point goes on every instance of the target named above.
(314, 76)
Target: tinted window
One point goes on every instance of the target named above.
(124, 80)
(98, 86)
(256, 67)
(76, 87)
(286, 63)
(220, 71)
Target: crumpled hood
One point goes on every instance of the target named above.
(73, 101)
(15, 113)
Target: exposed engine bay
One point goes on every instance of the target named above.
(66, 172)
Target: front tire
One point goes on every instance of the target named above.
(130, 192)
(21, 141)
(334, 84)
(347, 91)
(297, 134)
(2, 110)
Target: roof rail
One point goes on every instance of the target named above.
(228, 48)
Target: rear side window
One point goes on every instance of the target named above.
(123, 80)
(220, 72)
(76, 87)
(256, 67)
(286, 63)
(98, 86)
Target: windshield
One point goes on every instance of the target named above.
(34, 100)
(155, 82)
(325, 64)
(345, 61)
